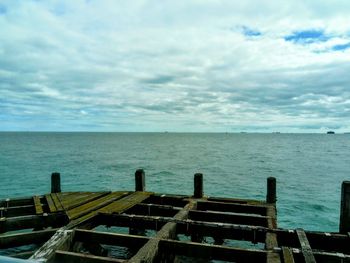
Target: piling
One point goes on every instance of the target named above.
(271, 190)
(344, 224)
(198, 185)
(140, 183)
(55, 183)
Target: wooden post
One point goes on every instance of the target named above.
(344, 224)
(55, 183)
(271, 190)
(140, 184)
(198, 185)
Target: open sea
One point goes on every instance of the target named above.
(309, 167)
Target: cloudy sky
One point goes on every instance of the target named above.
(185, 65)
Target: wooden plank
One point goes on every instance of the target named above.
(305, 246)
(61, 240)
(57, 202)
(76, 199)
(17, 211)
(287, 255)
(94, 205)
(50, 203)
(149, 251)
(21, 239)
(125, 203)
(70, 257)
(38, 205)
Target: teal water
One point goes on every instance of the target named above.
(309, 167)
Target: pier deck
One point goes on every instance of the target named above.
(141, 226)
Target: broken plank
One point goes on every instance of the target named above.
(305, 246)
(68, 257)
(38, 205)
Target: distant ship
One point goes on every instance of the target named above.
(330, 132)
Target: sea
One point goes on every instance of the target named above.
(309, 168)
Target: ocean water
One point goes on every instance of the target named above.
(309, 167)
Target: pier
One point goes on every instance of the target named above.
(140, 226)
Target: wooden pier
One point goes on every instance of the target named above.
(141, 226)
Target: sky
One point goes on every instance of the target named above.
(177, 66)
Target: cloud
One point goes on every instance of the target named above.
(176, 66)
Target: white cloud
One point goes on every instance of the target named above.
(137, 65)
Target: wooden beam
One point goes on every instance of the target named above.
(21, 239)
(232, 207)
(271, 236)
(16, 211)
(73, 257)
(215, 252)
(33, 221)
(188, 227)
(61, 240)
(149, 252)
(231, 218)
(153, 210)
(305, 246)
(106, 238)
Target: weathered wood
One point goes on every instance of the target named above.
(33, 221)
(125, 203)
(287, 255)
(149, 251)
(9, 202)
(73, 257)
(198, 185)
(94, 205)
(232, 218)
(113, 239)
(38, 205)
(21, 239)
(74, 200)
(271, 190)
(344, 223)
(16, 211)
(50, 203)
(57, 202)
(235, 208)
(271, 236)
(208, 251)
(140, 181)
(153, 209)
(305, 246)
(55, 183)
(61, 240)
